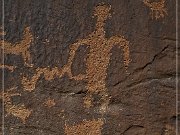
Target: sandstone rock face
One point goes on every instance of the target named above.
(89, 67)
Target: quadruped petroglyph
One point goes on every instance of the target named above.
(158, 9)
(96, 63)
(20, 48)
(19, 110)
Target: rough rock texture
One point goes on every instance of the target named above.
(89, 67)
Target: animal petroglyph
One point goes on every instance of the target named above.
(92, 127)
(17, 110)
(158, 9)
(21, 48)
(97, 61)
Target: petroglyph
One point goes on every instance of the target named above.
(29, 85)
(99, 56)
(97, 61)
(16, 110)
(49, 74)
(158, 9)
(92, 127)
(21, 48)
(11, 68)
(50, 103)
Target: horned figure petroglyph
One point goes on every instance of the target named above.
(96, 63)
(158, 9)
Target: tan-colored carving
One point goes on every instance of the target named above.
(158, 9)
(17, 110)
(93, 127)
(21, 48)
(49, 74)
(99, 56)
(97, 61)
(11, 68)
(49, 103)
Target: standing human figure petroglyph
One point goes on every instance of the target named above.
(158, 9)
(98, 58)
(96, 63)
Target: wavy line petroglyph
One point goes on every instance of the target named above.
(97, 61)
(158, 9)
(16, 110)
(21, 48)
(87, 127)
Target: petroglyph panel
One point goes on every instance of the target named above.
(89, 67)
(97, 60)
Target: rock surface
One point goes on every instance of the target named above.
(89, 67)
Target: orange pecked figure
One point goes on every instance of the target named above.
(158, 9)
(98, 58)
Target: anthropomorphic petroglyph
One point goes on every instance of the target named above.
(98, 57)
(97, 61)
(16, 110)
(158, 9)
(21, 48)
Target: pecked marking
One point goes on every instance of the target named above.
(158, 9)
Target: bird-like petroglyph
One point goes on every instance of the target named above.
(19, 110)
(87, 127)
(20, 48)
(97, 61)
(158, 9)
